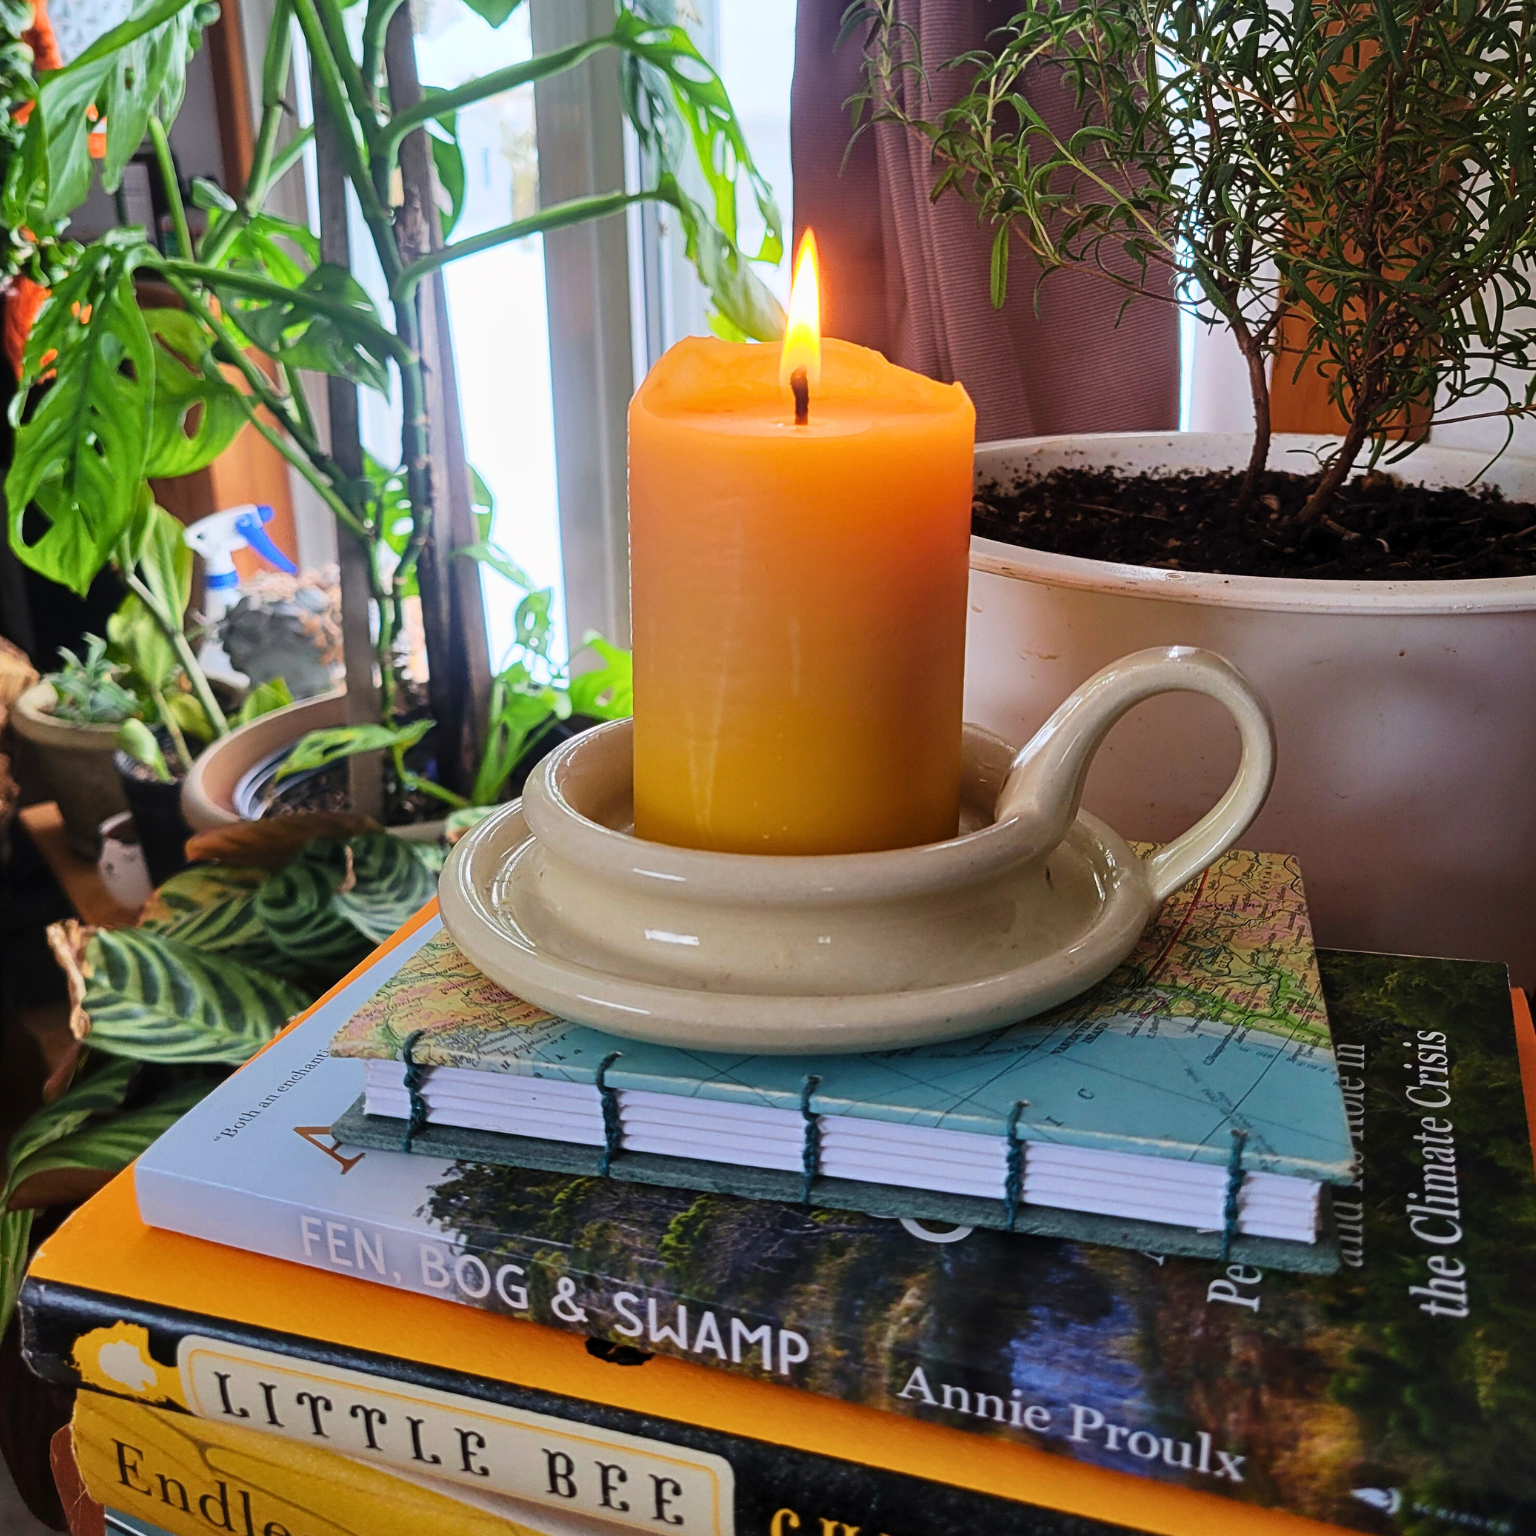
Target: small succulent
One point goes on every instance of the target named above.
(87, 692)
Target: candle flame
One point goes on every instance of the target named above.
(802, 332)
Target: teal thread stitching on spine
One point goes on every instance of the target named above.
(1234, 1188)
(415, 1072)
(810, 1154)
(1014, 1183)
(613, 1129)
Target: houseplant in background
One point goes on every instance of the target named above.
(1349, 191)
(255, 284)
(70, 722)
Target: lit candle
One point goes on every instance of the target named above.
(799, 534)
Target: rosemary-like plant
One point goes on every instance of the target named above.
(1356, 177)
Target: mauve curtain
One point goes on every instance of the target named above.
(910, 277)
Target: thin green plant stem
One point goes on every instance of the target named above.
(169, 721)
(538, 68)
(316, 303)
(352, 80)
(173, 632)
(276, 67)
(576, 210)
(289, 155)
(352, 150)
(375, 25)
(172, 185)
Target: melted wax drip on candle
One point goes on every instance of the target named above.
(802, 389)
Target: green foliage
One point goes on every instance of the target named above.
(223, 957)
(1364, 170)
(157, 999)
(195, 414)
(606, 692)
(81, 454)
(342, 338)
(87, 691)
(136, 69)
(111, 396)
(262, 700)
(138, 741)
(319, 749)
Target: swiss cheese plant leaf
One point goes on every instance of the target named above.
(668, 81)
(197, 412)
(390, 883)
(340, 335)
(447, 160)
(81, 456)
(743, 306)
(274, 247)
(150, 998)
(137, 68)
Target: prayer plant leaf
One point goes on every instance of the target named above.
(197, 412)
(76, 1165)
(294, 906)
(150, 998)
(212, 907)
(390, 883)
(81, 456)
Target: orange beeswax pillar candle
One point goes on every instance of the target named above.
(798, 601)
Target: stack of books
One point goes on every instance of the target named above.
(1236, 1242)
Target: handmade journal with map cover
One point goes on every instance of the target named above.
(1190, 1100)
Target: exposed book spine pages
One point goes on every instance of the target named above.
(397, 1457)
(1064, 1177)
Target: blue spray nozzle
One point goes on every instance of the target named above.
(249, 526)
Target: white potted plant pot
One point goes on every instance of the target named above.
(74, 763)
(1404, 709)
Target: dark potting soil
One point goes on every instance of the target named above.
(1377, 528)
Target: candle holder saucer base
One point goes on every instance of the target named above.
(1033, 902)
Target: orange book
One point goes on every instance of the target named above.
(239, 1339)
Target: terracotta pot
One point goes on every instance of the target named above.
(208, 792)
(1402, 708)
(75, 765)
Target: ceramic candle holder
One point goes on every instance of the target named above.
(1032, 902)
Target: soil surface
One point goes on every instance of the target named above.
(1378, 528)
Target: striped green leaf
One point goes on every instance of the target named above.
(151, 998)
(294, 907)
(97, 1093)
(212, 907)
(105, 1146)
(392, 882)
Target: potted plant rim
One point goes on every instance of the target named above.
(1349, 191)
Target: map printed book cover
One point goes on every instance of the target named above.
(1216, 1022)
(1402, 1386)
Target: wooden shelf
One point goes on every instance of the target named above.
(78, 877)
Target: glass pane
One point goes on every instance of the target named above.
(496, 304)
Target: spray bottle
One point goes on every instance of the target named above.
(216, 538)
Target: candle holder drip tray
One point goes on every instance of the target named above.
(1033, 902)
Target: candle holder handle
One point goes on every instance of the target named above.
(1044, 786)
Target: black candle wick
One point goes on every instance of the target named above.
(802, 388)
